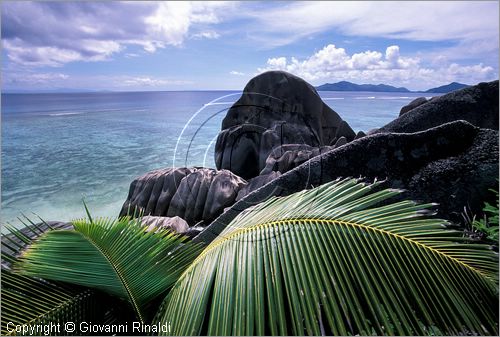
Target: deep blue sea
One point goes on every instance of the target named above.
(60, 148)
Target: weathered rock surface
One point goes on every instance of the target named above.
(175, 223)
(412, 105)
(453, 164)
(256, 183)
(286, 157)
(275, 108)
(194, 194)
(477, 104)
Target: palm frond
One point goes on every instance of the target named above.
(328, 261)
(14, 241)
(30, 303)
(117, 257)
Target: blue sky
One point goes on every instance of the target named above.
(221, 45)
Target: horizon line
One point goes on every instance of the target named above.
(86, 91)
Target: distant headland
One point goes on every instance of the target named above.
(348, 86)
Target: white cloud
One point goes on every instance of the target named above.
(472, 26)
(94, 31)
(334, 64)
(330, 60)
(90, 50)
(169, 23)
(278, 62)
(206, 35)
(27, 79)
(236, 73)
(35, 78)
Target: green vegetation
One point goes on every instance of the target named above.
(34, 301)
(118, 258)
(323, 261)
(488, 225)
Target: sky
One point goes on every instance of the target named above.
(136, 46)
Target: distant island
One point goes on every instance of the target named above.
(448, 88)
(348, 86)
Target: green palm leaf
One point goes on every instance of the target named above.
(327, 261)
(117, 257)
(29, 302)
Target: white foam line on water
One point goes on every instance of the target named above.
(370, 97)
(65, 114)
(331, 98)
(394, 97)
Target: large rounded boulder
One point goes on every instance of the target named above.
(275, 108)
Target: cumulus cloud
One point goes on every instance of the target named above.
(236, 73)
(331, 60)
(55, 33)
(334, 64)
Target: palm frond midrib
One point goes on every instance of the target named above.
(426, 245)
(114, 266)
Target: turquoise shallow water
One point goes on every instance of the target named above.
(60, 148)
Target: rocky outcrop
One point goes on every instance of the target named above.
(477, 105)
(282, 138)
(276, 108)
(193, 194)
(453, 164)
(412, 105)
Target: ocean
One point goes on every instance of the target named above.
(60, 149)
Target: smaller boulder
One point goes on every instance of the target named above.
(341, 141)
(176, 224)
(359, 135)
(413, 104)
